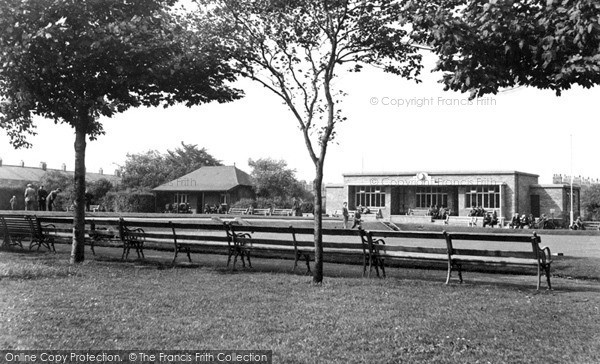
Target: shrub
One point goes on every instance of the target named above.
(6, 193)
(244, 203)
(128, 202)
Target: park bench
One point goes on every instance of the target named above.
(465, 220)
(374, 211)
(281, 212)
(131, 237)
(18, 228)
(524, 251)
(239, 245)
(591, 225)
(263, 212)
(377, 251)
(338, 213)
(237, 211)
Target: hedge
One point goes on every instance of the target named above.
(128, 202)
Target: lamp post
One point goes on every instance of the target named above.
(571, 212)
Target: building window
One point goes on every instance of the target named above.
(370, 196)
(488, 197)
(431, 196)
(180, 198)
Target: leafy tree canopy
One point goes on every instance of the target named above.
(274, 179)
(484, 46)
(144, 171)
(590, 202)
(76, 60)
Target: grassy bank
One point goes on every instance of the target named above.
(409, 317)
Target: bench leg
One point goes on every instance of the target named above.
(382, 266)
(376, 264)
(229, 256)
(50, 245)
(126, 249)
(175, 255)
(188, 254)
(296, 261)
(139, 250)
(307, 257)
(547, 269)
(248, 257)
(235, 256)
(458, 268)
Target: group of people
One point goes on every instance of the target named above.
(182, 208)
(521, 222)
(477, 211)
(45, 200)
(438, 212)
(215, 209)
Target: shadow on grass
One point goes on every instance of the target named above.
(17, 263)
(24, 264)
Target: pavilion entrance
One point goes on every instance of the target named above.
(418, 199)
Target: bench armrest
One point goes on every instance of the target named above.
(378, 241)
(48, 228)
(545, 254)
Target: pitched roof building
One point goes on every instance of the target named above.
(220, 185)
(17, 175)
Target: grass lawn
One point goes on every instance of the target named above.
(411, 317)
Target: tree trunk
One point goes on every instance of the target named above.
(318, 235)
(77, 248)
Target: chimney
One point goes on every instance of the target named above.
(43, 165)
(101, 171)
(118, 172)
(64, 167)
(22, 164)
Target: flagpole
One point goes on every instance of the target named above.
(571, 213)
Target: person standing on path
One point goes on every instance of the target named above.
(41, 196)
(29, 197)
(345, 214)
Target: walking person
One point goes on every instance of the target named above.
(51, 197)
(357, 216)
(29, 197)
(13, 202)
(345, 214)
(42, 194)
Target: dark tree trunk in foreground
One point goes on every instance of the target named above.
(318, 235)
(77, 249)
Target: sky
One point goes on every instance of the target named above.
(393, 125)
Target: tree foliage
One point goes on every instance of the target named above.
(590, 202)
(74, 61)
(296, 50)
(484, 46)
(145, 171)
(274, 179)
